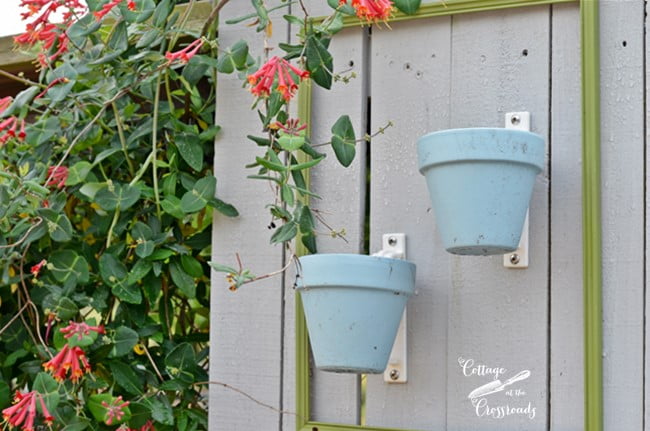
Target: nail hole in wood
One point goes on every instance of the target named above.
(524, 53)
(624, 43)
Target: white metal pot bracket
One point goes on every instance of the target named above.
(393, 245)
(519, 257)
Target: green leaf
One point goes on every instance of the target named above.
(115, 275)
(223, 207)
(68, 268)
(223, 268)
(84, 26)
(344, 140)
(161, 410)
(63, 306)
(90, 189)
(78, 173)
(41, 131)
(123, 341)
(346, 8)
(162, 11)
(117, 196)
(45, 385)
(140, 414)
(22, 99)
(125, 377)
(60, 91)
(319, 62)
(143, 10)
(181, 363)
(306, 220)
(182, 280)
(119, 40)
(286, 232)
(100, 413)
(287, 195)
(197, 198)
(192, 266)
(409, 7)
(291, 142)
(234, 58)
(144, 249)
(172, 206)
(309, 241)
(139, 271)
(58, 225)
(78, 423)
(190, 150)
(5, 394)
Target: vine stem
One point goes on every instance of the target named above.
(20, 79)
(120, 132)
(270, 274)
(213, 15)
(21, 240)
(13, 319)
(250, 397)
(154, 143)
(153, 364)
(116, 217)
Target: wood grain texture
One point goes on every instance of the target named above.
(246, 326)
(567, 339)
(410, 87)
(497, 316)
(622, 146)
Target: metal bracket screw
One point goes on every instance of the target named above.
(394, 374)
(514, 258)
(392, 241)
(515, 119)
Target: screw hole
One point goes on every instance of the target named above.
(314, 429)
(624, 43)
(351, 63)
(524, 53)
(407, 66)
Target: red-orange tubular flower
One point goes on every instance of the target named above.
(115, 410)
(5, 102)
(8, 129)
(372, 10)
(106, 9)
(36, 269)
(40, 29)
(185, 54)
(80, 329)
(261, 82)
(23, 412)
(57, 176)
(71, 359)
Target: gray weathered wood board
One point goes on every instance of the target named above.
(622, 145)
(410, 87)
(566, 325)
(498, 316)
(246, 325)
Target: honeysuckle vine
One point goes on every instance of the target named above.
(107, 197)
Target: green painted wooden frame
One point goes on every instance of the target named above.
(591, 211)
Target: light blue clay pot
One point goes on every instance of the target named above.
(480, 182)
(353, 306)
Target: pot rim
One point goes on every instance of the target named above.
(465, 146)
